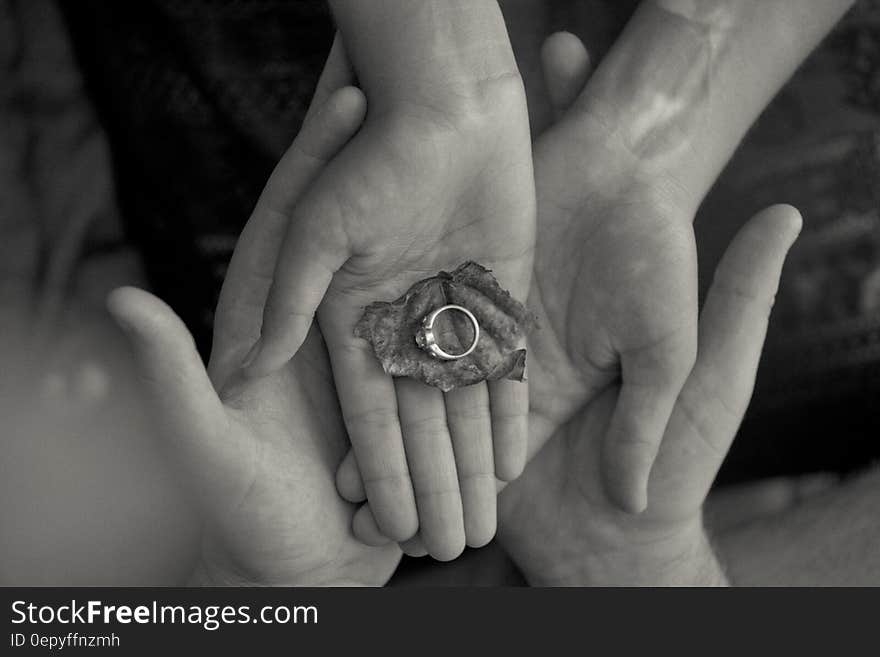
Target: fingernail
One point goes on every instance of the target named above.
(251, 355)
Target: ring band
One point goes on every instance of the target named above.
(426, 339)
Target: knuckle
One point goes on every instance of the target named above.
(302, 149)
(438, 493)
(702, 424)
(395, 479)
(479, 479)
(471, 414)
(431, 428)
(635, 440)
(739, 288)
(285, 314)
(510, 418)
(379, 417)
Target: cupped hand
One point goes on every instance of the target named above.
(419, 190)
(614, 288)
(261, 453)
(560, 508)
(558, 522)
(615, 282)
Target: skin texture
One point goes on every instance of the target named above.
(617, 237)
(667, 543)
(590, 214)
(613, 243)
(619, 180)
(667, 554)
(618, 183)
(260, 453)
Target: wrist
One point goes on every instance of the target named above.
(425, 52)
(681, 559)
(215, 568)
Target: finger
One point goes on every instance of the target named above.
(190, 414)
(369, 407)
(337, 73)
(365, 529)
(566, 66)
(509, 405)
(470, 427)
(314, 248)
(348, 480)
(238, 317)
(733, 326)
(651, 380)
(432, 468)
(414, 547)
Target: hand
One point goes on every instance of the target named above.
(614, 284)
(610, 546)
(614, 289)
(559, 524)
(418, 190)
(261, 453)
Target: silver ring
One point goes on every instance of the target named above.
(426, 340)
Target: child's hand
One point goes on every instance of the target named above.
(261, 453)
(614, 289)
(418, 190)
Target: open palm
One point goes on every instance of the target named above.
(261, 454)
(615, 285)
(614, 289)
(559, 509)
(416, 191)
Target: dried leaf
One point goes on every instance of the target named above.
(391, 329)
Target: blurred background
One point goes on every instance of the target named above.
(134, 140)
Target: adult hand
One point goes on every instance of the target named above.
(619, 180)
(558, 520)
(614, 284)
(261, 453)
(559, 524)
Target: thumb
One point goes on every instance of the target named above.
(188, 410)
(565, 64)
(650, 382)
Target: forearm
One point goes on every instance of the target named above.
(831, 538)
(425, 52)
(687, 78)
